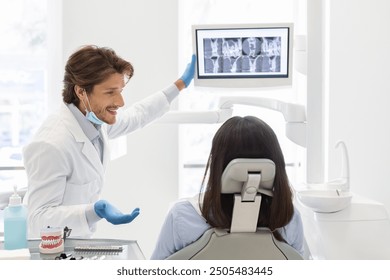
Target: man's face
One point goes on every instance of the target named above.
(106, 98)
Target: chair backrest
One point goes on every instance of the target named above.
(217, 244)
(247, 179)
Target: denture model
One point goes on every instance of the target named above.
(51, 240)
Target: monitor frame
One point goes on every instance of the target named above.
(239, 33)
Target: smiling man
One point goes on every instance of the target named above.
(66, 160)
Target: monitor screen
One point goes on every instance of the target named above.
(243, 55)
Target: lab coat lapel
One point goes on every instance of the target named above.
(88, 149)
(106, 150)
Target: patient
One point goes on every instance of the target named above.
(238, 137)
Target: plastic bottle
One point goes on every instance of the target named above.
(15, 223)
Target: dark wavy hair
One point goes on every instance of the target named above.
(89, 66)
(246, 137)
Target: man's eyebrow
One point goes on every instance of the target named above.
(114, 88)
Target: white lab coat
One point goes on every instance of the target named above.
(65, 174)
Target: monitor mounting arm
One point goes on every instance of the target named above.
(294, 114)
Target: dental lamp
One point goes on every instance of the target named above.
(294, 115)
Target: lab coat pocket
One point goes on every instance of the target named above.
(80, 193)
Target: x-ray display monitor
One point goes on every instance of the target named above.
(243, 55)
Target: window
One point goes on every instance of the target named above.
(23, 83)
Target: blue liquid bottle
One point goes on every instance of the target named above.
(15, 223)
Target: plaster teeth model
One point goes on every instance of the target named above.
(51, 240)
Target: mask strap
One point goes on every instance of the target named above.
(89, 104)
(84, 105)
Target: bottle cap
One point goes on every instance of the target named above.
(15, 198)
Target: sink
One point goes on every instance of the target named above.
(325, 201)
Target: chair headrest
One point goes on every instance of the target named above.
(238, 171)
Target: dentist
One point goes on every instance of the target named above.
(66, 160)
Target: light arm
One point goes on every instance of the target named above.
(291, 112)
(294, 114)
(187, 117)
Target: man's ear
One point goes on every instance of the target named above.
(79, 91)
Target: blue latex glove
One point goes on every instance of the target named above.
(188, 74)
(107, 211)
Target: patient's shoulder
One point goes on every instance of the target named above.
(189, 224)
(183, 208)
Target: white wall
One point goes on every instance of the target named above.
(359, 94)
(145, 33)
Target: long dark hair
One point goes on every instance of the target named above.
(89, 66)
(246, 137)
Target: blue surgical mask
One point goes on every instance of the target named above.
(91, 115)
(93, 118)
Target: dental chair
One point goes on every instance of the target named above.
(247, 179)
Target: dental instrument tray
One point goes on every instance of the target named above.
(107, 249)
(99, 250)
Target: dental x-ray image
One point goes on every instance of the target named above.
(242, 55)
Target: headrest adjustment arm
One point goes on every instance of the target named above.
(251, 186)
